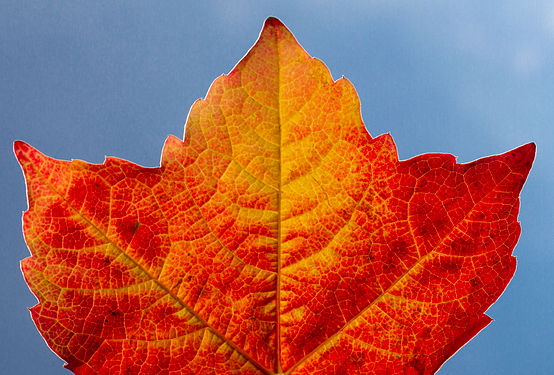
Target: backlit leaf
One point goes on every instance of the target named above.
(278, 237)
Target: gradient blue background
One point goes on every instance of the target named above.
(472, 78)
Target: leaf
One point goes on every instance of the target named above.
(278, 237)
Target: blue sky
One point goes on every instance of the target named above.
(87, 79)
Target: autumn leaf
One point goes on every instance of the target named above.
(278, 237)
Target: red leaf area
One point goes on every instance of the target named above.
(278, 237)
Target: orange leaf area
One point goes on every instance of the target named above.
(278, 237)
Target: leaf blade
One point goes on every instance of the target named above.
(268, 238)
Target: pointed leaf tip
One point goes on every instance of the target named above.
(521, 158)
(277, 26)
(272, 21)
(20, 150)
(530, 149)
(18, 145)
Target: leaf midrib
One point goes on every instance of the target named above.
(279, 197)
